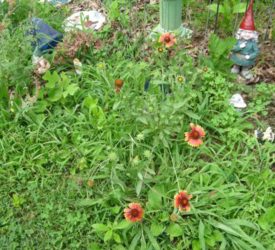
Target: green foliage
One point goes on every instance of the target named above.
(219, 50)
(78, 130)
(228, 9)
(267, 220)
(58, 88)
(17, 11)
(15, 50)
(115, 8)
(262, 97)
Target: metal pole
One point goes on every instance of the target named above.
(269, 24)
(208, 17)
(217, 15)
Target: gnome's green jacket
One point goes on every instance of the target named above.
(238, 53)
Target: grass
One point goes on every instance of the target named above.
(73, 160)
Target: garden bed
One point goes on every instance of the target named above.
(116, 141)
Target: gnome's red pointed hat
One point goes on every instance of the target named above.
(248, 20)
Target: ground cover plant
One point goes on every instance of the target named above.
(142, 149)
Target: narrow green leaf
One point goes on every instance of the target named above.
(139, 187)
(135, 241)
(152, 239)
(201, 235)
(192, 115)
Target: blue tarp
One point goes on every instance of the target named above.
(45, 37)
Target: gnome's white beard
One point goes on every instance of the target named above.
(247, 35)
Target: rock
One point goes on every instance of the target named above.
(237, 101)
(84, 20)
(267, 135)
(77, 66)
(45, 37)
(42, 65)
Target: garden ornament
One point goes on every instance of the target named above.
(45, 37)
(171, 19)
(246, 50)
(84, 20)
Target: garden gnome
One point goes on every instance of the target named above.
(245, 52)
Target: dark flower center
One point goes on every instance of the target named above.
(134, 213)
(184, 202)
(195, 134)
(167, 39)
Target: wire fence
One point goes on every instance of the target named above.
(269, 14)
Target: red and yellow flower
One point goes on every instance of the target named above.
(194, 137)
(181, 201)
(168, 39)
(134, 212)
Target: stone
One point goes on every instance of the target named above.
(267, 135)
(237, 101)
(84, 20)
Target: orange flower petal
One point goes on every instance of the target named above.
(195, 142)
(200, 130)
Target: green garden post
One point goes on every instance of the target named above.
(171, 19)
